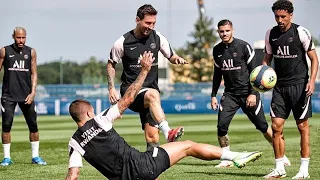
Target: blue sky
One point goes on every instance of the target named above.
(78, 29)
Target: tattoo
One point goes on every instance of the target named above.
(132, 91)
(34, 74)
(223, 141)
(110, 74)
(73, 174)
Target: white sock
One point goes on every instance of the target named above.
(164, 127)
(35, 148)
(228, 155)
(304, 165)
(6, 150)
(227, 148)
(280, 163)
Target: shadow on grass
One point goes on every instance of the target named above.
(259, 175)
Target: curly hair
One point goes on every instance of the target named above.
(283, 5)
(146, 9)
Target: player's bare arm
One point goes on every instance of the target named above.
(111, 72)
(267, 59)
(2, 55)
(34, 77)
(175, 59)
(314, 70)
(135, 87)
(73, 173)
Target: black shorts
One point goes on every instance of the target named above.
(28, 110)
(285, 99)
(146, 165)
(138, 106)
(230, 104)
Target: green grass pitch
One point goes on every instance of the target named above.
(56, 131)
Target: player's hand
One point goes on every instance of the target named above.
(251, 100)
(214, 103)
(178, 60)
(29, 99)
(310, 88)
(113, 96)
(147, 60)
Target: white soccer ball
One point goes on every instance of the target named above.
(263, 78)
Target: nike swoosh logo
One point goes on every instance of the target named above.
(220, 55)
(132, 48)
(11, 56)
(273, 39)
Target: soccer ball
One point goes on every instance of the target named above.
(263, 78)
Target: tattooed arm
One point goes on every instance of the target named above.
(135, 87)
(111, 72)
(73, 173)
(34, 77)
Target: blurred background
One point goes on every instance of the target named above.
(73, 39)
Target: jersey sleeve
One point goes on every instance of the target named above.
(267, 49)
(216, 80)
(106, 118)
(75, 157)
(117, 50)
(250, 58)
(165, 47)
(306, 39)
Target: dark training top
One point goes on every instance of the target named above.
(289, 53)
(234, 62)
(17, 73)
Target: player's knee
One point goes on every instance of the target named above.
(276, 128)
(303, 125)
(152, 95)
(188, 143)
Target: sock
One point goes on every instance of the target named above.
(6, 150)
(151, 145)
(228, 155)
(164, 127)
(35, 148)
(227, 148)
(304, 165)
(280, 163)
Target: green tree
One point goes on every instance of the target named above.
(198, 53)
(316, 41)
(93, 73)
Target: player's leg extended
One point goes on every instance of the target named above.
(228, 108)
(257, 117)
(7, 119)
(153, 102)
(30, 115)
(302, 111)
(280, 109)
(149, 126)
(179, 150)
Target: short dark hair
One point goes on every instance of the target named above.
(77, 108)
(283, 5)
(146, 9)
(224, 22)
